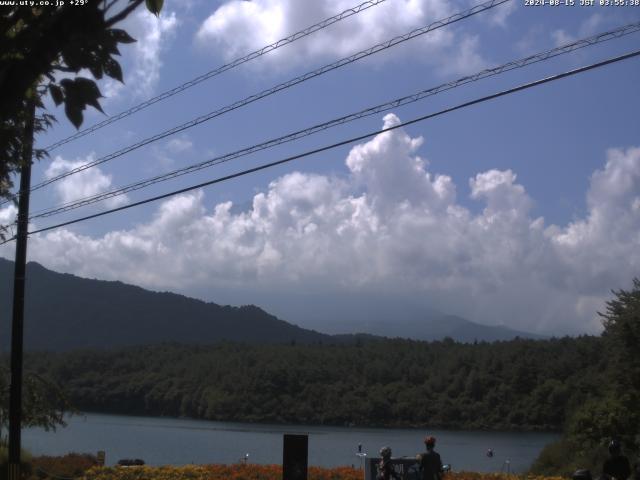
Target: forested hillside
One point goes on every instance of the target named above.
(521, 384)
(65, 312)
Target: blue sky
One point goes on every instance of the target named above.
(522, 211)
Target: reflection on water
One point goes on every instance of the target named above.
(162, 441)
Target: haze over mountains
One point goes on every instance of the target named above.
(66, 312)
(385, 315)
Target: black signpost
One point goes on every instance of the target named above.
(295, 453)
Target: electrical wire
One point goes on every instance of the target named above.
(217, 71)
(343, 142)
(265, 93)
(514, 64)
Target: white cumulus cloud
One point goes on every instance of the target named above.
(238, 27)
(85, 183)
(8, 214)
(390, 226)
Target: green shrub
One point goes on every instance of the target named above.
(25, 458)
(566, 456)
(70, 465)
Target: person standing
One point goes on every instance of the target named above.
(385, 468)
(430, 463)
(617, 465)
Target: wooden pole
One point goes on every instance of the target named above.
(17, 324)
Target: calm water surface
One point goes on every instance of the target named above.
(162, 441)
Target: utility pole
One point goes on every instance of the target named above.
(17, 325)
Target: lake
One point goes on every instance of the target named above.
(163, 441)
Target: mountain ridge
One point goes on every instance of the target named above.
(64, 312)
(70, 312)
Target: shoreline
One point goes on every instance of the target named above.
(329, 425)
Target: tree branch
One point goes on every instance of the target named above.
(124, 13)
(62, 68)
(108, 5)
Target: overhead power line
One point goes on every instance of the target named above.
(290, 83)
(343, 142)
(217, 71)
(512, 65)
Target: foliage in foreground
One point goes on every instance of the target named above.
(254, 472)
(41, 48)
(25, 457)
(564, 457)
(71, 465)
(44, 403)
(84, 467)
(613, 409)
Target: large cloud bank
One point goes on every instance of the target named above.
(238, 27)
(392, 226)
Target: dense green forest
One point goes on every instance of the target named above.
(520, 384)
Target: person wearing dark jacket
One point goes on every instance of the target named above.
(430, 463)
(617, 465)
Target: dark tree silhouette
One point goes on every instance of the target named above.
(39, 43)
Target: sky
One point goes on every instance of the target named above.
(522, 211)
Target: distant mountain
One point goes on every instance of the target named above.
(387, 315)
(439, 326)
(64, 312)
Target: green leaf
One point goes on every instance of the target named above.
(96, 69)
(79, 93)
(121, 36)
(72, 57)
(88, 92)
(154, 6)
(74, 113)
(66, 83)
(56, 94)
(112, 68)
(109, 44)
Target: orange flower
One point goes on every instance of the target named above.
(260, 472)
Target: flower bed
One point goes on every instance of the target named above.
(256, 472)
